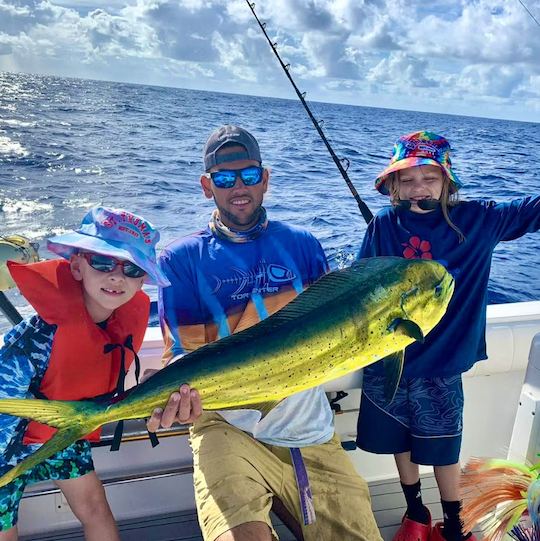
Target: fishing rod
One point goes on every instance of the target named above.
(9, 310)
(529, 12)
(364, 209)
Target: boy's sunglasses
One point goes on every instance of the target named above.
(106, 263)
(226, 178)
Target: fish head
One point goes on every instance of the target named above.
(403, 300)
(15, 248)
(422, 290)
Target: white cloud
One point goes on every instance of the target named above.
(486, 31)
(401, 70)
(9, 10)
(486, 49)
(493, 80)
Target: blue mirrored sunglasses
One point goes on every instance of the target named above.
(226, 178)
(106, 263)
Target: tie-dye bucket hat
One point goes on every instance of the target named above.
(419, 148)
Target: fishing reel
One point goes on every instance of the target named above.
(424, 204)
(15, 248)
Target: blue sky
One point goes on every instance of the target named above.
(467, 57)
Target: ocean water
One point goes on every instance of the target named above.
(69, 144)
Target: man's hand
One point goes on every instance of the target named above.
(183, 407)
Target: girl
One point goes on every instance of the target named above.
(423, 424)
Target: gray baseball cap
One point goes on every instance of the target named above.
(226, 135)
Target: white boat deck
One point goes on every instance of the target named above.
(387, 502)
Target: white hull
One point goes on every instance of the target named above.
(143, 482)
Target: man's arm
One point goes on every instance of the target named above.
(174, 301)
(320, 262)
(180, 312)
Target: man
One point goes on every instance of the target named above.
(237, 271)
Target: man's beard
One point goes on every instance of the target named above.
(232, 219)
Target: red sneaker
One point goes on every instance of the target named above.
(410, 530)
(436, 534)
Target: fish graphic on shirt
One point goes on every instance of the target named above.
(262, 275)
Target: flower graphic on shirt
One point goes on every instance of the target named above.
(416, 248)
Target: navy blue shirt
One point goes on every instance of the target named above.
(458, 341)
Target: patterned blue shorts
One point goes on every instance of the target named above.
(74, 461)
(425, 417)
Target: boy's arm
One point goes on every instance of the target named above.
(516, 218)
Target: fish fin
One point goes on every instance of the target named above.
(393, 368)
(61, 440)
(408, 328)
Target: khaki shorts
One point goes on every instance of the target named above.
(235, 478)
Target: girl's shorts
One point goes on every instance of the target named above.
(425, 417)
(74, 461)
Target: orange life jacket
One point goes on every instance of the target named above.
(84, 361)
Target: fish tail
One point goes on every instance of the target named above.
(56, 413)
(72, 419)
(62, 439)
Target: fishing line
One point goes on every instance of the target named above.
(527, 10)
(364, 209)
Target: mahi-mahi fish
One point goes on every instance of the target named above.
(348, 319)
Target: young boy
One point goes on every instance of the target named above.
(91, 319)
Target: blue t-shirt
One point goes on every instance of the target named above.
(458, 341)
(219, 287)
